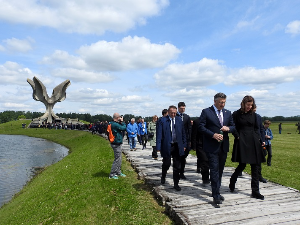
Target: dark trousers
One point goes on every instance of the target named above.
(140, 139)
(216, 165)
(176, 164)
(183, 160)
(254, 176)
(259, 171)
(269, 149)
(144, 140)
(154, 152)
(202, 163)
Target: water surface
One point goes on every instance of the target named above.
(20, 157)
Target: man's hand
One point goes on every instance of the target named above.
(218, 137)
(225, 129)
(184, 149)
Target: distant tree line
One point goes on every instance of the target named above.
(281, 118)
(7, 116)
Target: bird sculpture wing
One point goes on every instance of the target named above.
(59, 92)
(39, 90)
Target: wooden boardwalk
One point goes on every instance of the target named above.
(194, 205)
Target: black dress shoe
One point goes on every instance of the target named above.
(217, 201)
(163, 180)
(222, 198)
(263, 180)
(257, 195)
(182, 177)
(231, 187)
(205, 182)
(177, 188)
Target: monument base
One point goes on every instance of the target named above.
(63, 122)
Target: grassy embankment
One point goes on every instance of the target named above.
(77, 190)
(286, 156)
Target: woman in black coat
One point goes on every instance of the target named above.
(247, 146)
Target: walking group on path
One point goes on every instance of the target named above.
(173, 139)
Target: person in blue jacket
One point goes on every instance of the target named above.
(132, 130)
(268, 138)
(142, 131)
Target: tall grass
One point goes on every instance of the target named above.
(77, 190)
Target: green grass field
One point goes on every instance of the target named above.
(77, 190)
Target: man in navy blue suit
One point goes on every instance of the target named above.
(215, 124)
(171, 142)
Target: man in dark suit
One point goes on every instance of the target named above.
(171, 142)
(215, 124)
(186, 120)
(202, 160)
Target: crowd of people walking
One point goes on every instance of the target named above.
(174, 134)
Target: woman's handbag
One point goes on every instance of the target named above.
(151, 135)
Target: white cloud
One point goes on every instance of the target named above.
(135, 98)
(15, 106)
(13, 73)
(255, 93)
(246, 23)
(64, 59)
(18, 45)
(89, 94)
(251, 75)
(129, 54)
(191, 94)
(132, 53)
(95, 16)
(85, 76)
(104, 101)
(196, 74)
(293, 27)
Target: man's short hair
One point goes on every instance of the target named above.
(267, 122)
(219, 95)
(172, 107)
(132, 119)
(181, 104)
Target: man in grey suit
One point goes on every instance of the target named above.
(215, 124)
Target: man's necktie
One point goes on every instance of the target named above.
(220, 117)
(181, 115)
(173, 132)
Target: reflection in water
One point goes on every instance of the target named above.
(20, 158)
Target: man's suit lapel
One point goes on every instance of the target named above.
(214, 115)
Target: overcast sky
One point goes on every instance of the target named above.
(139, 57)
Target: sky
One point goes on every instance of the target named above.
(139, 57)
